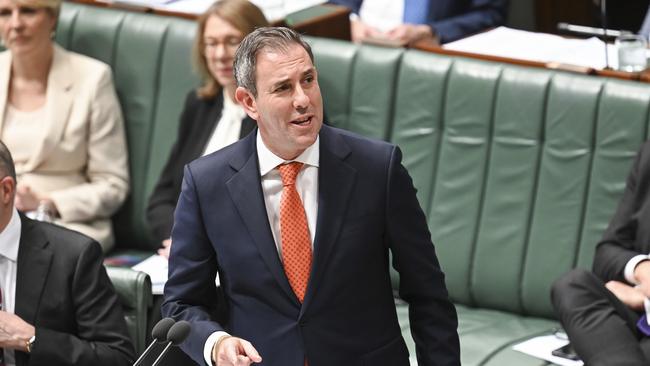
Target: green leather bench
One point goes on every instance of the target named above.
(134, 291)
(518, 169)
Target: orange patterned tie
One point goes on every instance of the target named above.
(294, 232)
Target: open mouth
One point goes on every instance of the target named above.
(302, 121)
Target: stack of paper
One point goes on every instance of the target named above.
(541, 47)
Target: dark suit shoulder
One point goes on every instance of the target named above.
(62, 241)
(361, 147)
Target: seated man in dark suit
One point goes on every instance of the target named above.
(58, 305)
(603, 311)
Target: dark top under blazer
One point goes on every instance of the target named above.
(366, 206)
(198, 121)
(62, 289)
(454, 19)
(628, 233)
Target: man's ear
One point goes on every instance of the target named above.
(247, 100)
(7, 189)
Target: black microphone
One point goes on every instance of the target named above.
(176, 335)
(159, 335)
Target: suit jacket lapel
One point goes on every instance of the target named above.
(336, 179)
(251, 207)
(34, 259)
(57, 107)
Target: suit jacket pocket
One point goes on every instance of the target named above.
(393, 353)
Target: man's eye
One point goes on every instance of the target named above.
(28, 10)
(5, 12)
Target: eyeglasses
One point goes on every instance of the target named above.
(229, 44)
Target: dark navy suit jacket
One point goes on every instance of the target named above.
(454, 19)
(366, 206)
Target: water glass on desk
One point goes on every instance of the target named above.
(631, 52)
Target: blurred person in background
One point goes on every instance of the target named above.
(405, 22)
(211, 118)
(60, 116)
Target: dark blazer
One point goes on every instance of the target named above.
(198, 121)
(63, 290)
(628, 233)
(366, 207)
(454, 19)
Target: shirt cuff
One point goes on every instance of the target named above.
(628, 272)
(209, 343)
(646, 305)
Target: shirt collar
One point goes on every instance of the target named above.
(10, 237)
(269, 161)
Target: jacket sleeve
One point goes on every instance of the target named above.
(162, 202)
(107, 167)
(101, 338)
(480, 15)
(432, 316)
(354, 5)
(621, 241)
(190, 291)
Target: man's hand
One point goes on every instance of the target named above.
(166, 247)
(408, 34)
(14, 332)
(631, 296)
(233, 351)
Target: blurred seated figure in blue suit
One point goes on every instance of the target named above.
(408, 21)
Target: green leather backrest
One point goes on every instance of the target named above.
(518, 169)
(150, 58)
(134, 291)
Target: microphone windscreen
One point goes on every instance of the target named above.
(160, 330)
(178, 332)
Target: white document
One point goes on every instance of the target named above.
(542, 346)
(275, 10)
(156, 267)
(540, 47)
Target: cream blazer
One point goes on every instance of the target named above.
(81, 157)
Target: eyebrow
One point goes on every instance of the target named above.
(310, 71)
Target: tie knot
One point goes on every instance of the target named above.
(289, 171)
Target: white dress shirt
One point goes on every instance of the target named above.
(9, 241)
(382, 14)
(228, 127)
(628, 272)
(307, 187)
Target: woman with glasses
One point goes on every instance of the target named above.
(211, 118)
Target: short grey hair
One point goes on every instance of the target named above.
(269, 38)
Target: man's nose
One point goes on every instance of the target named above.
(300, 99)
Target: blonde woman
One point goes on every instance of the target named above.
(60, 117)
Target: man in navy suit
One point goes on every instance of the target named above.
(306, 280)
(408, 21)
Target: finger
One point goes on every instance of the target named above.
(251, 352)
(230, 350)
(243, 361)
